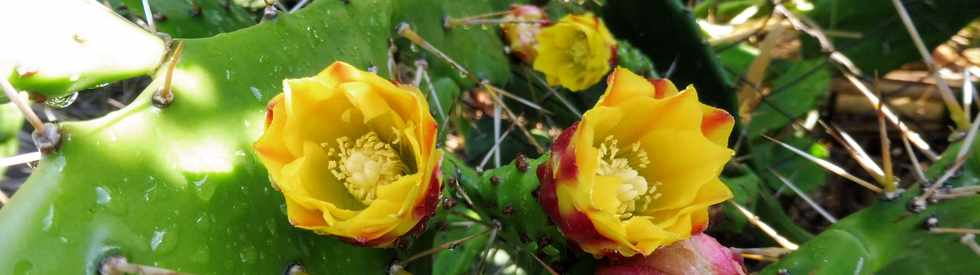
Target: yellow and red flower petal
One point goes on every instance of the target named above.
(624, 86)
(717, 125)
(663, 87)
(683, 146)
(574, 224)
(343, 102)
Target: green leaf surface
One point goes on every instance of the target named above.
(631, 58)
(193, 18)
(888, 239)
(884, 44)
(73, 45)
(180, 187)
(507, 195)
(736, 59)
(805, 174)
(462, 258)
(479, 49)
(745, 190)
(795, 91)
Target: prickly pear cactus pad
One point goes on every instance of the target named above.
(180, 187)
(72, 45)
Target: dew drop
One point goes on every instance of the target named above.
(247, 254)
(149, 192)
(256, 92)
(48, 219)
(164, 240)
(157, 239)
(102, 196)
(61, 101)
(200, 183)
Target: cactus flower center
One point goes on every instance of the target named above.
(365, 164)
(635, 193)
(579, 52)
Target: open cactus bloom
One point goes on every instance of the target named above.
(701, 254)
(576, 52)
(353, 154)
(640, 169)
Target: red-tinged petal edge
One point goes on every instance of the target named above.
(565, 154)
(576, 226)
(547, 194)
(713, 120)
(659, 87)
(269, 113)
(430, 201)
(698, 228)
(383, 241)
(614, 57)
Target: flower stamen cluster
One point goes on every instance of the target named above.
(364, 165)
(635, 191)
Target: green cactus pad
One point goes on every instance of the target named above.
(70, 46)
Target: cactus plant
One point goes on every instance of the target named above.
(171, 181)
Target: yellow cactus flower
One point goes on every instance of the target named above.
(576, 52)
(353, 154)
(522, 36)
(640, 169)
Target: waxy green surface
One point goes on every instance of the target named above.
(53, 48)
(887, 238)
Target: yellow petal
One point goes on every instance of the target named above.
(610, 227)
(623, 86)
(647, 236)
(711, 193)
(371, 104)
(303, 217)
(682, 161)
(371, 223)
(310, 100)
(664, 88)
(717, 124)
(604, 192)
(271, 147)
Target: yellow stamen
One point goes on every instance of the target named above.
(364, 165)
(635, 193)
